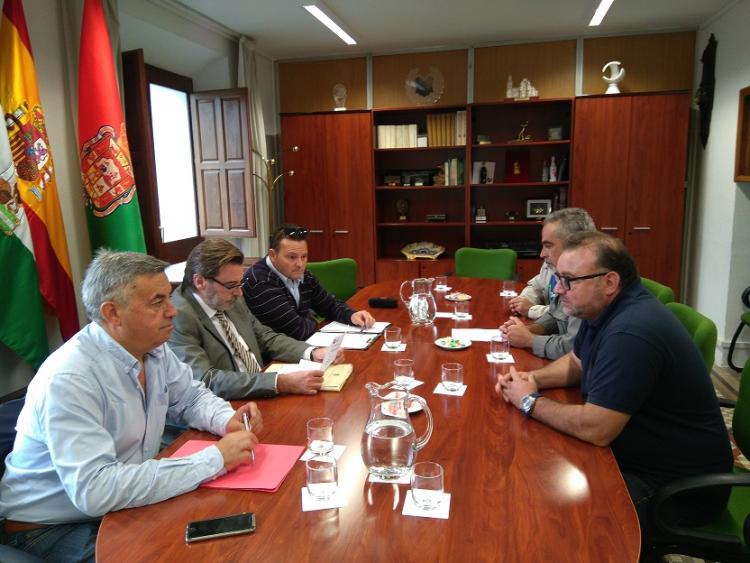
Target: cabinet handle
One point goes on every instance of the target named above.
(339, 232)
(315, 231)
(641, 228)
(607, 228)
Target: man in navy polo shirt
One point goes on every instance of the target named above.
(645, 388)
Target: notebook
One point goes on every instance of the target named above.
(334, 377)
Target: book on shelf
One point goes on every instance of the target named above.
(446, 129)
(454, 172)
(397, 136)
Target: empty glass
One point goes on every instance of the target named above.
(500, 347)
(441, 283)
(509, 288)
(403, 371)
(392, 337)
(320, 435)
(427, 484)
(322, 476)
(461, 309)
(452, 376)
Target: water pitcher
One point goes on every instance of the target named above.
(421, 303)
(389, 443)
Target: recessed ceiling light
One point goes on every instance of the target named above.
(600, 12)
(325, 16)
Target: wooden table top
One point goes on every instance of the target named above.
(520, 491)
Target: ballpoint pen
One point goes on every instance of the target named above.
(248, 428)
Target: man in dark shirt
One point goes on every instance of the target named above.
(646, 390)
(283, 295)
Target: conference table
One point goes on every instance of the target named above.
(520, 491)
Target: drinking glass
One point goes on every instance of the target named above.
(322, 476)
(427, 484)
(452, 376)
(500, 347)
(392, 337)
(320, 435)
(509, 287)
(461, 309)
(441, 283)
(403, 371)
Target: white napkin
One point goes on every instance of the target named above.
(457, 318)
(507, 360)
(440, 390)
(400, 348)
(443, 315)
(310, 503)
(336, 453)
(442, 511)
(403, 480)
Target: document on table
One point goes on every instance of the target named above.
(272, 464)
(333, 378)
(336, 326)
(475, 334)
(352, 341)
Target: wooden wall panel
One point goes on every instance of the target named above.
(306, 87)
(652, 63)
(551, 68)
(389, 76)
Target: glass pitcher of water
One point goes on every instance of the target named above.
(421, 303)
(389, 443)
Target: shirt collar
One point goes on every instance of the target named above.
(210, 311)
(118, 352)
(286, 280)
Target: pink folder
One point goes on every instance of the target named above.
(272, 464)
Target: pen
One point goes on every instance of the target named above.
(248, 428)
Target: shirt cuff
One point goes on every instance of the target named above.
(307, 354)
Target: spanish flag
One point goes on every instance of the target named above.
(34, 255)
(114, 218)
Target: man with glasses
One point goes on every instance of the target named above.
(222, 342)
(644, 384)
(552, 333)
(282, 294)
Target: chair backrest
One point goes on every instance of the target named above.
(498, 264)
(741, 418)
(9, 412)
(663, 293)
(701, 329)
(339, 276)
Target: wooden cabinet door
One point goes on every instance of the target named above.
(304, 192)
(348, 190)
(600, 160)
(656, 185)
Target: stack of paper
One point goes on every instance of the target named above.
(352, 341)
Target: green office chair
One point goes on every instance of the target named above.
(728, 537)
(701, 329)
(497, 264)
(339, 276)
(662, 292)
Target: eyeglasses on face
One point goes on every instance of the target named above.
(229, 286)
(566, 281)
(295, 232)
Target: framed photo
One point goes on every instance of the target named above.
(483, 177)
(538, 208)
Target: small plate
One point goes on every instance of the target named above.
(450, 343)
(391, 409)
(458, 296)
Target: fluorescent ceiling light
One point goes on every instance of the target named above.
(327, 20)
(600, 12)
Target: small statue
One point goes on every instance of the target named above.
(617, 73)
(483, 174)
(516, 168)
(545, 171)
(509, 87)
(511, 215)
(522, 136)
(402, 206)
(552, 170)
(339, 97)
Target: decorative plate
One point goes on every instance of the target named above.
(458, 296)
(450, 343)
(425, 88)
(423, 249)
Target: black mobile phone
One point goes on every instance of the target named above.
(199, 530)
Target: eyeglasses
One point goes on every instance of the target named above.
(228, 286)
(565, 281)
(295, 232)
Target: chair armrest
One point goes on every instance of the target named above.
(667, 492)
(728, 403)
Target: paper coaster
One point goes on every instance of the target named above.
(442, 511)
(506, 360)
(457, 318)
(337, 451)
(442, 288)
(440, 390)
(443, 315)
(401, 348)
(508, 294)
(403, 480)
(410, 386)
(310, 503)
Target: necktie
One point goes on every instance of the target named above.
(552, 284)
(247, 357)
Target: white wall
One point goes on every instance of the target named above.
(721, 266)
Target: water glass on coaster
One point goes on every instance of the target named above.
(403, 371)
(461, 309)
(320, 435)
(441, 283)
(452, 376)
(500, 347)
(322, 476)
(427, 484)
(509, 288)
(392, 337)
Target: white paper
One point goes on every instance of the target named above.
(352, 341)
(440, 390)
(443, 315)
(508, 293)
(438, 288)
(401, 348)
(464, 318)
(336, 326)
(506, 360)
(403, 480)
(442, 511)
(475, 334)
(333, 349)
(412, 385)
(310, 503)
(336, 453)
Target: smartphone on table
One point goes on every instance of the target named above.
(233, 525)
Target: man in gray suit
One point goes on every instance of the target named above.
(223, 343)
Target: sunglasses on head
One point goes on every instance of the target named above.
(295, 232)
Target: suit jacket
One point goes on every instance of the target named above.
(196, 341)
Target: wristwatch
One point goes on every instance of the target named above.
(528, 402)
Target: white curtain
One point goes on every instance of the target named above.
(247, 76)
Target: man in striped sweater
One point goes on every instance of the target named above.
(283, 295)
